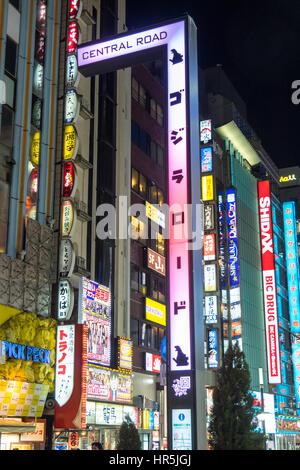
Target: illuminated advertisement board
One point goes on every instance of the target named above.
(109, 385)
(206, 159)
(222, 240)
(233, 253)
(125, 354)
(210, 278)
(207, 183)
(292, 264)
(155, 311)
(205, 131)
(296, 368)
(153, 213)
(209, 247)
(212, 346)
(181, 430)
(95, 310)
(269, 282)
(156, 262)
(211, 309)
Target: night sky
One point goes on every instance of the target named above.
(258, 45)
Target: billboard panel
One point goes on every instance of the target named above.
(269, 282)
(292, 264)
(95, 310)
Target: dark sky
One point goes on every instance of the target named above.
(258, 45)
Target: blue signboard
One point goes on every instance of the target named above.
(233, 254)
(296, 367)
(292, 264)
(222, 241)
(206, 160)
(212, 359)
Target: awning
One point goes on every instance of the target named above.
(14, 426)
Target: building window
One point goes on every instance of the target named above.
(134, 331)
(150, 336)
(143, 97)
(156, 195)
(143, 140)
(138, 183)
(157, 289)
(15, 3)
(137, 279)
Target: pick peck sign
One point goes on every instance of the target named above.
(269, 281)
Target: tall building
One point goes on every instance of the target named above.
(149, 270)
(243, 299)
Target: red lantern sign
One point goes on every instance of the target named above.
(73, 37)
(75, 9)
(69, 179)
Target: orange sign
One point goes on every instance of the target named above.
(209, 247)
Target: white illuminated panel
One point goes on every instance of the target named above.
(65, 356)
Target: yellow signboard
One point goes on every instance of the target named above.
(154, 214)
(207, 188)
(71, 143)
(22, 398)
(155, 312)
(35, 148)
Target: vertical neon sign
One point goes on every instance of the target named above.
(292, 267)
(269, 282)
(292, 264)
(183, 163)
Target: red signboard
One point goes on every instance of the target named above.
(156, 262)
(73, 37)
(209, 247)
(69, 179)
(269, 281)
(75, 7)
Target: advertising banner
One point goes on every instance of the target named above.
(233, 253)
(95, 310)
(209, 247)
(109, 385)
(269, 282)
(292, 264)
(206, 160)
(222, 240)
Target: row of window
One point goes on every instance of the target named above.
(144, 141)
(139, 231)
(147, 284)
(145, 335)
(143, 97)
(141, 185)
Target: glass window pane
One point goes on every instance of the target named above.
(10, 56)
(143, 186)
(160, 156)
(134, 180)
(160, 115)
(135, 89)
(160, 197)
(10, 91)
(143, 97)
(153, 108)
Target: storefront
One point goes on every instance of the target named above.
(22, 434)
(27, 362)
(287, 433)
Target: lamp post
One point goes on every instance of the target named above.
(261, 386)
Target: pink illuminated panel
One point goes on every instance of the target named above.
(174, 37)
